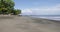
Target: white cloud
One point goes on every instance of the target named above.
(43, 11)
(26, 12)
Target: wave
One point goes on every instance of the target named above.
(52, 18)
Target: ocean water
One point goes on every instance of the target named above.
(51, 17)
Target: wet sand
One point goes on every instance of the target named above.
(27, 24)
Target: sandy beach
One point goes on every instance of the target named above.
(27, 24)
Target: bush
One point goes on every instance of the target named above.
(16, 12)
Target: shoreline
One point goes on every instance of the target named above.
(41, 18)
(50, 18)
(56, 21)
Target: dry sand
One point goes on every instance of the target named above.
(27, 24)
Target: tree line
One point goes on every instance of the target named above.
(7, 7)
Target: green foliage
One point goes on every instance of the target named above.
(16, 12)
(7, 7)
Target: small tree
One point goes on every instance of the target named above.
(17, 11)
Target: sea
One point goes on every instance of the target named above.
(51, 17)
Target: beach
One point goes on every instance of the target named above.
(28, 24)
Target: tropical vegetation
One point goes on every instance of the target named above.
(7, 7)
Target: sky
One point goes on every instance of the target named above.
(38, 7)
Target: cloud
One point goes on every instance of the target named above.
(26, 12)
(55, 10)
